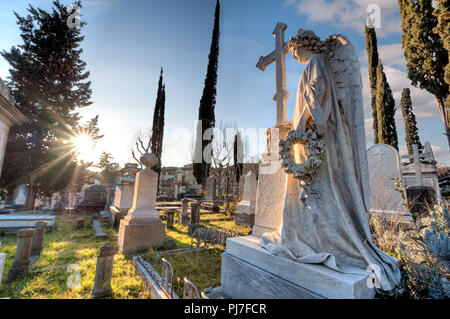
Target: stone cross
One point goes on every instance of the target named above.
(416, 156)
(380, 153)
(103, 272)
(279, 56)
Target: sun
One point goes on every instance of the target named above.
(83, 145)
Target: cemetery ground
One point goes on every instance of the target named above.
(70, 254)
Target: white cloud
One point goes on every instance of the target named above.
(350, 14)
(390, 54)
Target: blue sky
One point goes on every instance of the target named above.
(127, 42)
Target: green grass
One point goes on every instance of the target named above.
(63, 246)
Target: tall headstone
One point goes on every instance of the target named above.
(103, 272)
(384, 168)
(210, 197)
(21, 263)
(195, 217)
(170, 218)
(38, 238)
(123, 199)
(245, 209)
(184, 212)
(142, 228)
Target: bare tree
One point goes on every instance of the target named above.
(140, 146)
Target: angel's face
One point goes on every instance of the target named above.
(302, 55)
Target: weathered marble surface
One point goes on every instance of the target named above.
(103, 272)
(2, 265)
(384, 167)
(249, 271)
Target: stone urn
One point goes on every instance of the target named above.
(149, 160)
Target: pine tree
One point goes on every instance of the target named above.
(207, 103)
(411, 131)
(158, 122)
(372, 54)
(424, 50)
(387, 132)
(49, 82)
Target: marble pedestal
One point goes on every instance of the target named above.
(250, 272)
(137, 234)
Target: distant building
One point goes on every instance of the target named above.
(9, 116)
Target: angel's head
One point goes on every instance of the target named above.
(305, 44)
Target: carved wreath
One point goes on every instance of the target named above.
(316, 154)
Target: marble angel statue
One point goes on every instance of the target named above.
(325, 214)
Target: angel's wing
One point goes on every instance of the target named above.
(346, 72)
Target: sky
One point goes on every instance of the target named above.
(128, 41)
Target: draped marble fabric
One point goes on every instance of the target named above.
(331, 226)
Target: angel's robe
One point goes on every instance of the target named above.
(331, 226)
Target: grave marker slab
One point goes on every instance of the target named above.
(103, 272)
(21, 263)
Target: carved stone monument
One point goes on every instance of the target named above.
(195, 217)
(21, 263)
(245, 209)
(123, 199)
(103, 271)
(142, 228)
(384, 169)
(321, 245)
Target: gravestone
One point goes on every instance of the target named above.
(421, 198)
(38, 238)
(210, 197)
(245, 209)
(184, 212)
(421, 174)
(195, 217)
(79, 223)
(384, 167)
(241, 187)
(21, 263)
(170, 218)
(2, 265)
(142, 228)
(103, 272)
(10, 224)
(123, 199)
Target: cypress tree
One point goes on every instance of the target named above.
(49, 82)
(207, 104)
(387, 132)
(411, 131)
(158, 122)
(424, 50)
(238, 156)
(372, 54)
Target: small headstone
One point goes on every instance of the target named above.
(210, 197)
(171, 244)
(98, 229)
(184, 212)
(195, 216)
(170, 218)
(2, 265)
(38, 238)
(21, 263)
(80, 223)
(103, 272)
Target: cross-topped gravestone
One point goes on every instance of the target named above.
(278, 55)
(416, 156)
